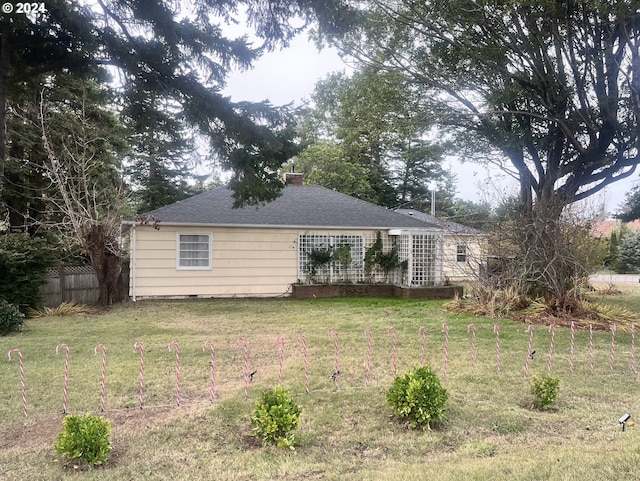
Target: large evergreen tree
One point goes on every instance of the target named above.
(178, 51)
(630, 208)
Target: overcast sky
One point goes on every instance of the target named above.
(290, 75)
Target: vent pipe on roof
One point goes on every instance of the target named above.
(433, 202)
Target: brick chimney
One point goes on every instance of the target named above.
(293, 177)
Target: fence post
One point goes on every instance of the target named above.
(61, 275)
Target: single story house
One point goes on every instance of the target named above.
(203, 247)
(464, 247)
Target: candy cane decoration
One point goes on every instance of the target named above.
(103, 377)
(176, 346)
(552, 330)
(336, 371)
(138, 346)
(368, 334)
(392, 330)
(529, 351)
(23, 390)
(633, 349)
(591, 363)
(66, 375)
(303, 340)
(445, 329)
(496, 329)
(423, 332)
(280, 341)
(573, 330)
(472, 329)
(614, 328)
(242, 342)
(209, 344)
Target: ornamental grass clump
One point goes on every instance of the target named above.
(418, 397)
(275, 418)
(85, 438)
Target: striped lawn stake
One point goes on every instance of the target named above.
(23, 390)
(552, 330)
(242, 342)
(423, 332)
(103, 377)
(138, 346)
(614, 328)
(280, 342)
(336, 370)
(176, 345)
(303, 340)
(209, 344)
(392, 330)
(66, 375)
(445, 329)
(496, 329)
(529, 351)
(591, 363)
(368, 334)
(472, 329)
(633, 349)
(573, 341)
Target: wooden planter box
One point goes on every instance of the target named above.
(306, 291)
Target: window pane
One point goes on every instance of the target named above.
(461, 253)
(194, 250)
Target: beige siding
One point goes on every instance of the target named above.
(245, 262)
(475, 257)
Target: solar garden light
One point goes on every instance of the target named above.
(624, 420)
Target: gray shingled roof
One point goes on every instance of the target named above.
(298, 206)
(452, 227)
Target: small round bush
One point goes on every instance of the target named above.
(86, 438)
(11, 319)
(545, 390)
(275, 418)
(418, 397)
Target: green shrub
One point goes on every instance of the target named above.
(85, 437)
(545, 390)
(11, 319)
(418, 397)
(275, 418)
(23, 263)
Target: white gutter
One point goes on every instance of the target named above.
(133, 263)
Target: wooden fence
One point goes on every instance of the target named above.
(77, 284)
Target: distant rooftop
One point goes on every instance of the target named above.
(310, 206)
(604, 228)
(449, 226)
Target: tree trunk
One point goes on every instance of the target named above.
(106, 262)
(550, 258)
(5, 65)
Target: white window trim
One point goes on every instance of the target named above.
(194, 268)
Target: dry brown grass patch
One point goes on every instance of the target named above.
(64, 309)
(576, 307)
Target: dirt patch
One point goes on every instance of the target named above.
(36, 431)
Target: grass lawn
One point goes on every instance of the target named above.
(346, 433)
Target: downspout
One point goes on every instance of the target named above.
(133, 263)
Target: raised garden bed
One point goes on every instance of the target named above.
(306, 291)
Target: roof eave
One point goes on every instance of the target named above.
(284, 226)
